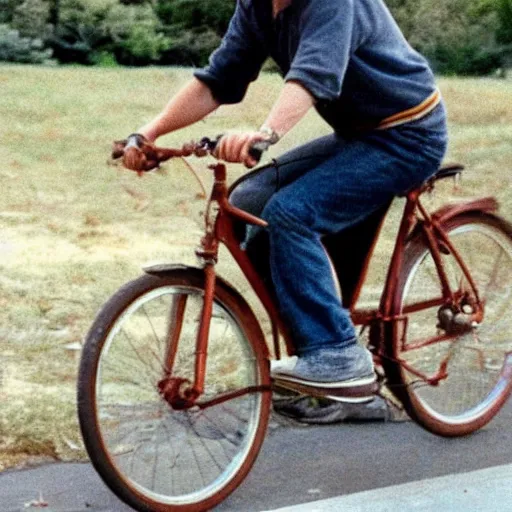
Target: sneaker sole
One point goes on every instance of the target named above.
(361, 381)
(352, 400)
(352, 391)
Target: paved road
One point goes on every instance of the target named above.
(302, 465)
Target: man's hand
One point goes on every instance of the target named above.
(234, 147)
(142, 156)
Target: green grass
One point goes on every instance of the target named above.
(73, 228)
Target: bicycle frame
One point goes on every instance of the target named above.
(220, 216)
(159, 398)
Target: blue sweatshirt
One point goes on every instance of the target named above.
(349, 54)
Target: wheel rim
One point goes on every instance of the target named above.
(480, 361)
(175, 457)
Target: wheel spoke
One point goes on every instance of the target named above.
(472, 356)
(175, 458)
(139, 357)
(157, 338)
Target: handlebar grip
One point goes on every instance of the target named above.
(258, 148)
(210, 144)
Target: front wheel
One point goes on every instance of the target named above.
(154, 456)
(477, 358)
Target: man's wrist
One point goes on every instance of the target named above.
(271, 135)
(149, 131)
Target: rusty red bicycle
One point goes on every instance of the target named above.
(174, 390)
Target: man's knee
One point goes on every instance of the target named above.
(239, 197)
(253, 192)
(282, 212)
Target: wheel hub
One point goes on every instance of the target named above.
(461, 318)
(177, 392)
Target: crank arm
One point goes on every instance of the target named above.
(231, 396)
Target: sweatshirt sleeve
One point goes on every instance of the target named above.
(238, 60)
(321, 60)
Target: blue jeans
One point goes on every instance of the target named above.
(322, 188)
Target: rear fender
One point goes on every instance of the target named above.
(484, 205)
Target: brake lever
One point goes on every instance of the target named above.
(255, 151)
(258, 148)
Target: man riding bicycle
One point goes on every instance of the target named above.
(349, 60)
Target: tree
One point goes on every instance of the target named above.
(457, 36)
(7, 10)
(32, 19)
(504, 31)
(55, 12)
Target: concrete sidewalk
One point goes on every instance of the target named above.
(486, 490)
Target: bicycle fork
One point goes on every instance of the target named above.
(180, 392)
(204, 331)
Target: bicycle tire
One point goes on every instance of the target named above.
(116, 406)
(479, 371)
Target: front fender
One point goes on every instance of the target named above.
(223, 288)
(161, 269)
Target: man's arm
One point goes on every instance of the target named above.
(231, 68)
(191, 104)
(291, 106)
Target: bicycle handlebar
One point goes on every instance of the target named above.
(258, 148)
(154, 155)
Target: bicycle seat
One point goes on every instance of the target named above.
(445, 171)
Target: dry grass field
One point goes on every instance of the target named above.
(73, 228)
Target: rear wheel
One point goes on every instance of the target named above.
(478, 358)
(152, 455)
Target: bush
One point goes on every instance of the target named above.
(206, 15)
(459, 36)
(467, 60)
(81, 32)
(136, 34)
(89, 29)
(14, 48)
(105, 60)
(142, 46)
(188, 48)
(31, 19)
